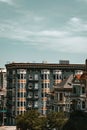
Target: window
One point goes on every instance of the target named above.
(42, 85)
(54, 77)
(21, 104)
(61, 96)
(30, 86)
(22, 94)
(21, 76)
(30, 77)
(36, 94)
(18, 103)
(44, 76)
(36, 104)
(13, 72)
(24, 103)
(36, 77)
(83, 104)
(74, 90)
(83, 90)
(42, 95)
(24, 76)
(21, 85)
(57, 76)
(18, 94)
(18, 76)
(36, 85)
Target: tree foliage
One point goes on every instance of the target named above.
(77, 121)
(32, 120)
(56, 120)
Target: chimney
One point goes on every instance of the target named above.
(86, 65)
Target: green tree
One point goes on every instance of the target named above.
(56, 120)
(77, 121)
(31, 120)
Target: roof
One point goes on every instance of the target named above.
(45, 66)
(83, 76)
(65, 84)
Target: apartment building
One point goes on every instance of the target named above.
(3, 85)
(29, 83)
(70, 94)
(62, 92)
(3, 80)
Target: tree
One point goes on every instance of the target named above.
(77, 121)
(31, 120)
(56, 120)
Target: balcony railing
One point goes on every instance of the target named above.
(36, 96)
(30, 87)
(29, 96)
(29, 105)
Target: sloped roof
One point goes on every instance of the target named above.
(76, 79)
(65, 84)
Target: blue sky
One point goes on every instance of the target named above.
(43, 30)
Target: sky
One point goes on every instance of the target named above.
(43, 30)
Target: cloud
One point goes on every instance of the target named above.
(66, 40)
(9, 2)
(68, 45)
(74, 44)
(52, 33)
(38, 19)
(77, 25)
(13, 30)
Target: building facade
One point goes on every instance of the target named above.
(29, 83)
(3, 86)
(3, 78)
(70, 94)
(62, 93)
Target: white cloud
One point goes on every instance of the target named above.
(10, 2)
(38, 19)
(77, 25)
(53, 33)
(18, 32)
(74, 44)
(56, 40)
(66, 45)
(75, 20)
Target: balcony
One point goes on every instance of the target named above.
(83, 95)
(36, 96)
(35, 106)
(36, 88)
(33, 79)
(30, 78)
(30, 87)
(29, 106)
(36, 79)
(29, 96)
